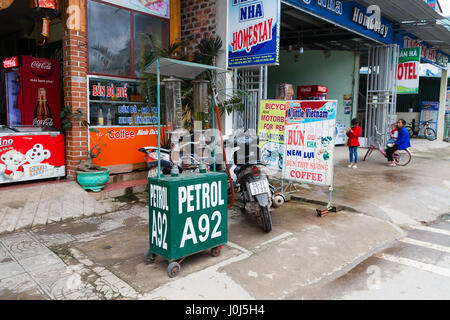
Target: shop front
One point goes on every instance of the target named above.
(85, 56)
(31, 136)
(322, 47)
(122, 111)
(328, 44)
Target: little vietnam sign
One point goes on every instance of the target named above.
(187, 214)
(253, 32)
(309, 142)
(408, 71)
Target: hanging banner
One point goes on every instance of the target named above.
(253, 32)
(159, 8)
(367, 21)
(408, 71)
(428, 54)
(309, 141)
(272, 117)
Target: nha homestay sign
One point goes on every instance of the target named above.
(253, 32)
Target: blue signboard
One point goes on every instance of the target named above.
(351, 15)
(253, 32)
(429, 112)
(432, 4)
(428, 53)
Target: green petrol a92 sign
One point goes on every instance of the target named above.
(408, 71)
(187, 214)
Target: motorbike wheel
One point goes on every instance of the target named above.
(266, 219)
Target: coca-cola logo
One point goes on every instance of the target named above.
(10, 63)
(43, 123)
(306, 90)
(42, 68)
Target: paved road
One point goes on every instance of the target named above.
(417, 267)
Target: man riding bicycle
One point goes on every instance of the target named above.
(402, 143)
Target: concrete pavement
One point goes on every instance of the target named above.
(83, 252)
(416, 267)
(101, 257)
(407, 195)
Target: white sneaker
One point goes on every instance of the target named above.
(350, 165)
(355, 166)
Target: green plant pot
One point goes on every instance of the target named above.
(95, 180)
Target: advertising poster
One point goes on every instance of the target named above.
(408, 71)
(253, 32)
(309, 142)
(31, 157)
(40, 83)
(341, 135)
(119, 145)
(429, 112)
(159, 8)
(272, 116)
(447, 106)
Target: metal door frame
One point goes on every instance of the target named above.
(381, 99)
(253, 81)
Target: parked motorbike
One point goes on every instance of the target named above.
(252, 182)
(151, 159)
(256, 193)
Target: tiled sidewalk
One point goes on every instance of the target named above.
(47, 203)
(27, 266)
(30, 268)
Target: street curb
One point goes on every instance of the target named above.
(350, 209)
(322, 203)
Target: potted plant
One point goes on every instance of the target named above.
(89, 175)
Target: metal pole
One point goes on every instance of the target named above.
(214, 130)
(159, 115)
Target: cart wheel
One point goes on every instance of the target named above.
(173, 269)
(215, 252)
(149, 258)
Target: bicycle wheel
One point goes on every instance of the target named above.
(368, 153)
(402, 157)
(430, 134)
(410, 131)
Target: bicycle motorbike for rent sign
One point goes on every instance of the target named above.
(309, 142)
(272, 118)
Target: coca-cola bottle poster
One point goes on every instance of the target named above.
(42, 95)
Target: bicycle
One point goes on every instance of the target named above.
(428, 131)
(401, 157)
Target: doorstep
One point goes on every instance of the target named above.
(118, 189)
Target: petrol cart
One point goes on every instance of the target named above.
(187, 211)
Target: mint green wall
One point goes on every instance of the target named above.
(334, 69)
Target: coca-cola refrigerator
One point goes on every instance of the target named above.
(314, 92)
(31, 145)
(32, 87)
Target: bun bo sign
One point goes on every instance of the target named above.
(253, 32)
(309, 142)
